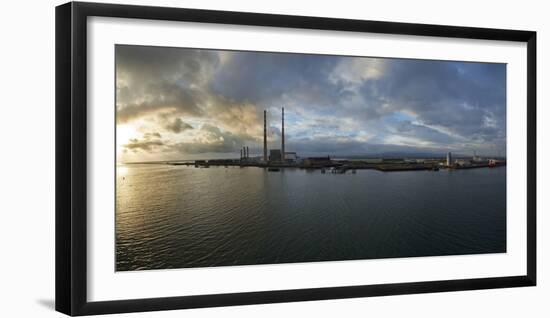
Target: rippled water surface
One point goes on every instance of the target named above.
(178, 216)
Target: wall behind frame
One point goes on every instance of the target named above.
(27, 160)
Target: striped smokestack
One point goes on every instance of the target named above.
(265, 136)
(283, 135)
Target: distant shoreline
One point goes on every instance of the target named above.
(342, 158)
(337, 166)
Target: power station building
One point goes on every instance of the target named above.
(275, 155)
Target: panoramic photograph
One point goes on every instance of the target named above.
(234, 158)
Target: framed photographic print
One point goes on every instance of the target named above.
(209, 158)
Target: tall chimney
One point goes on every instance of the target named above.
(241, 154)
(265, 136)
(283, 135)
(247, 153)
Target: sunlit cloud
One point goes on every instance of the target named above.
(192, 103)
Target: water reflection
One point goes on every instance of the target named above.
(178, 216)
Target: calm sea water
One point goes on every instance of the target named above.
(177, 216)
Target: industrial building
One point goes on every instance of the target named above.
(275, 155)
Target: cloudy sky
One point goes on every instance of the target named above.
(175, 103)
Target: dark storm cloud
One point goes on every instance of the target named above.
(143, 145)
(150, 141)
(151, 79)
(152, 135)
(176, 125)
(159, 97)
(267, 78)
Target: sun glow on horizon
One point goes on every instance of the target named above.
(124, 134)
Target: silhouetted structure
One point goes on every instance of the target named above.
(274, 155)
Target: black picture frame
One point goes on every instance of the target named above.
(71, 157)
